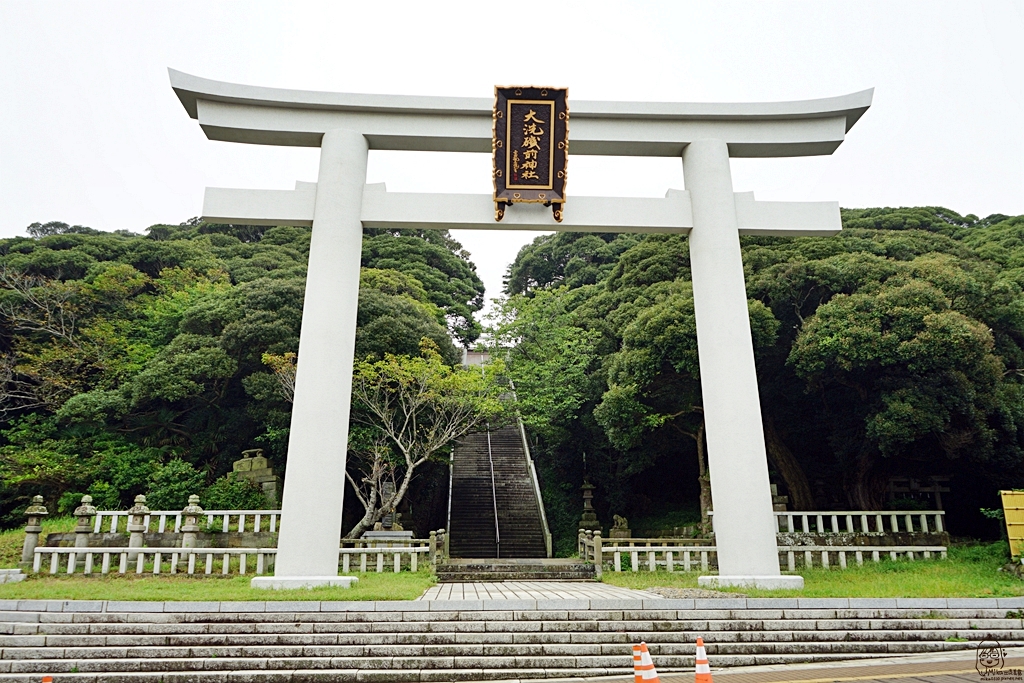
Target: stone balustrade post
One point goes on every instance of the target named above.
(137, 525)
(35, 513)
(190, 516)
(84, 514)
(588, 545)
(433, 549)
(597, 553)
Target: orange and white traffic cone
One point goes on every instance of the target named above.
(703, 667)
(643, 665)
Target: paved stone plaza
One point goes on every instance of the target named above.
(532, 590)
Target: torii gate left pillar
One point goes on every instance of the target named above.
(308, 540)
(339, 205)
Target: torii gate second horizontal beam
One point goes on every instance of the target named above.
(383, 209)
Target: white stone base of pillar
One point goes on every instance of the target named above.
(763, 582)
(291, 582)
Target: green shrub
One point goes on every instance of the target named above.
(171, 484)
(233, 493)
(68, 501)
(104, 495)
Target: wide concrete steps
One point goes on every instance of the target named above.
(523, 569)
(438, 641)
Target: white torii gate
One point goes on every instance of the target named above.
(340, 204)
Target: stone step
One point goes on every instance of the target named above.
(447, 613)
(383, 662)
(474, 504)
(420, 641)
(191, 637)
(488, 633)
(218, 671)
(517, 644)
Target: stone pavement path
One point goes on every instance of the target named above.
(951, 667)
(531, 590)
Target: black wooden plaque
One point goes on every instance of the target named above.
(530, 147)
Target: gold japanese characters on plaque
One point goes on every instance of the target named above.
(530, 145)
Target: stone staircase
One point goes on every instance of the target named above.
(473, 503)
(305, 642)
(515, 569)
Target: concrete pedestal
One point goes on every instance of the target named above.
(291, 582)
(387, 536)
(778, 582)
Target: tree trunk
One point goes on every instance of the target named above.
(374, 513)
(868, 489)
(785, 462)
(705, 482)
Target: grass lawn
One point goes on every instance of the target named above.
(970, 572)
(371, 586)
(12, 541)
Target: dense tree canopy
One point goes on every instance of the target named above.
(892, 349)
(125, 353)
(145, 363)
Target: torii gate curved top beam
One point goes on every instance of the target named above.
(272, 116)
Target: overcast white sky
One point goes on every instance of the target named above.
(91, 133)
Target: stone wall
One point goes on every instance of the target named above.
(863, 539)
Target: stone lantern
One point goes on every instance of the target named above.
(589, 519)
(35, 513)
(190, 516)
(84, 514)
(137, 524)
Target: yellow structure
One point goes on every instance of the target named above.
(1013, 511)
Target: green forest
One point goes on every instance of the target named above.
(895, 349)
(144, 363)
(139, 363)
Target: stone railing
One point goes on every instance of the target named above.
(150, 560)
(674, 554)
(178, 535)
(208, 560)
(170, 520)
(858, 521)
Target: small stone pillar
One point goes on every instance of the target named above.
(190, 514)
(433, 550)
(35, 513)
(589, 519)
(137, 525)
(84, 513)
(598, 559)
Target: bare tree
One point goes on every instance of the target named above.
(703, 477)
(40, 305)
(284, 367)
(409, 410)
(17, 391)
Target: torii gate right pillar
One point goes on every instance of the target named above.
(737, 461)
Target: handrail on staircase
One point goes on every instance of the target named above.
(494, 496)
(533, 476)
(451, 476)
